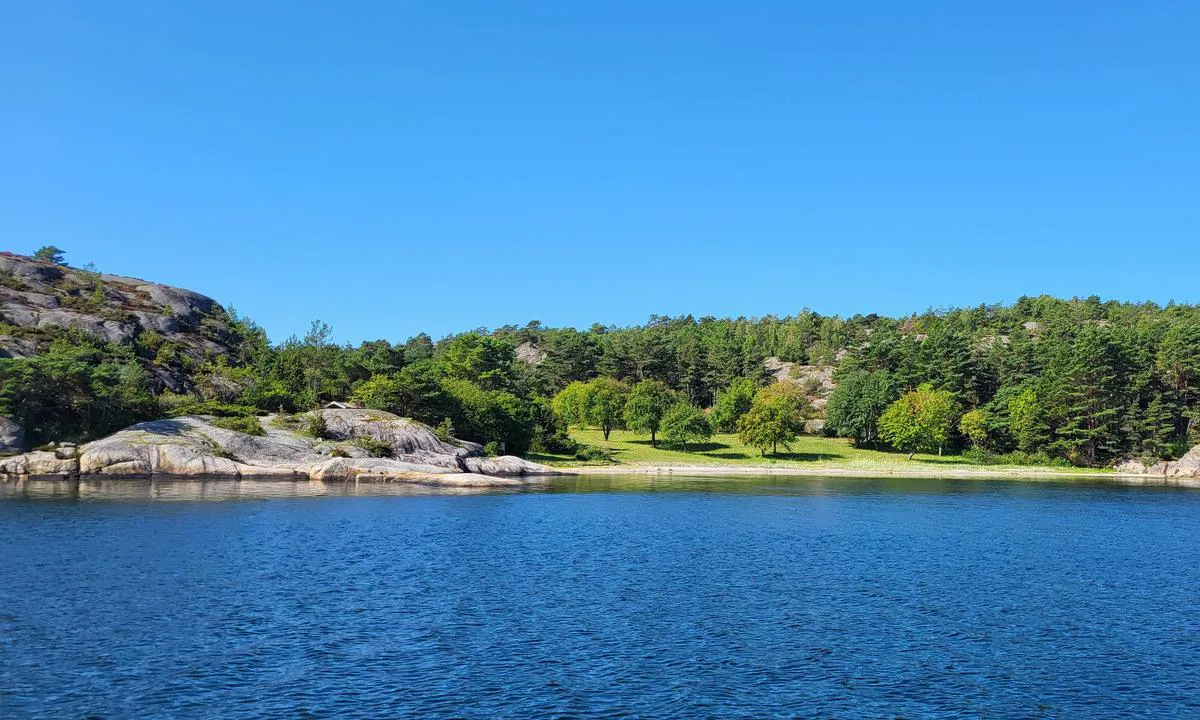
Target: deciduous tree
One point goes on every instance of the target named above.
(684, 423)
(920, 420)
(647, 405)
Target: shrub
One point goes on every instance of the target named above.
(211, 407)
(492, 448)
(555, 443)
(9, 281)
(445, 430)
(286, 421)
(245, 424)
(314, 424)
(376, 447)
(1017, 457)
(591, 452)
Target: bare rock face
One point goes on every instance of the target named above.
(12, 436)
(194, 447)
(410, 440)
(1186, 467)
(415, 443)
(530, 354)
(40, 464)
(816, 380)
(44, 299)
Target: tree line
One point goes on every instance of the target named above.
(1080, 381)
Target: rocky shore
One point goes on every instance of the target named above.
(1187, 466)
(193, 446)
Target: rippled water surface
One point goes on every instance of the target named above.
(609, 597)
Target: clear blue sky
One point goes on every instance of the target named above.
(435, 165)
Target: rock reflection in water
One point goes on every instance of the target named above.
(181, 489)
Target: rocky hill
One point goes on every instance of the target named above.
(172, 328)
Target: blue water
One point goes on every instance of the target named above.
(616, 597)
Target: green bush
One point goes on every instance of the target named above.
(14, 283)
(492, 448)
(315, 425)
(554, 443)
(1017, 457)
(591, 452)
(245, 424)
(286, 421)
(377, 448)
(77, 389)
(211, 407)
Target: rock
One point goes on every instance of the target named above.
(505, 465)
(44, 299)
(12, 436)
(162, 447)
(1131, 467)
(39, 464)
(530, 354)
(184, 305)
(814, 426)
(411, 441)
(815, 380)
(29, 270)
(193, 447)
(384, 468)
(15, 347)
(1187, 466)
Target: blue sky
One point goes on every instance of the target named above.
(394, 167)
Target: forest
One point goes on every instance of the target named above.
(1046, 380)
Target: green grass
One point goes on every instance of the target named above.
(807, 452)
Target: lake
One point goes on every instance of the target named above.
(603, 597)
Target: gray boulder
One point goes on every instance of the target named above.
(12, 436)
(504, 466)
(1131, 467)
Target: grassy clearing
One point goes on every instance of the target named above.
(808, 452)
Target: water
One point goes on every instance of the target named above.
(609, 597)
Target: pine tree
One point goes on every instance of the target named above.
(1156, 427)
(1089, 398)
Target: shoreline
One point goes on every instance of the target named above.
(695, 471)
(824, 471)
